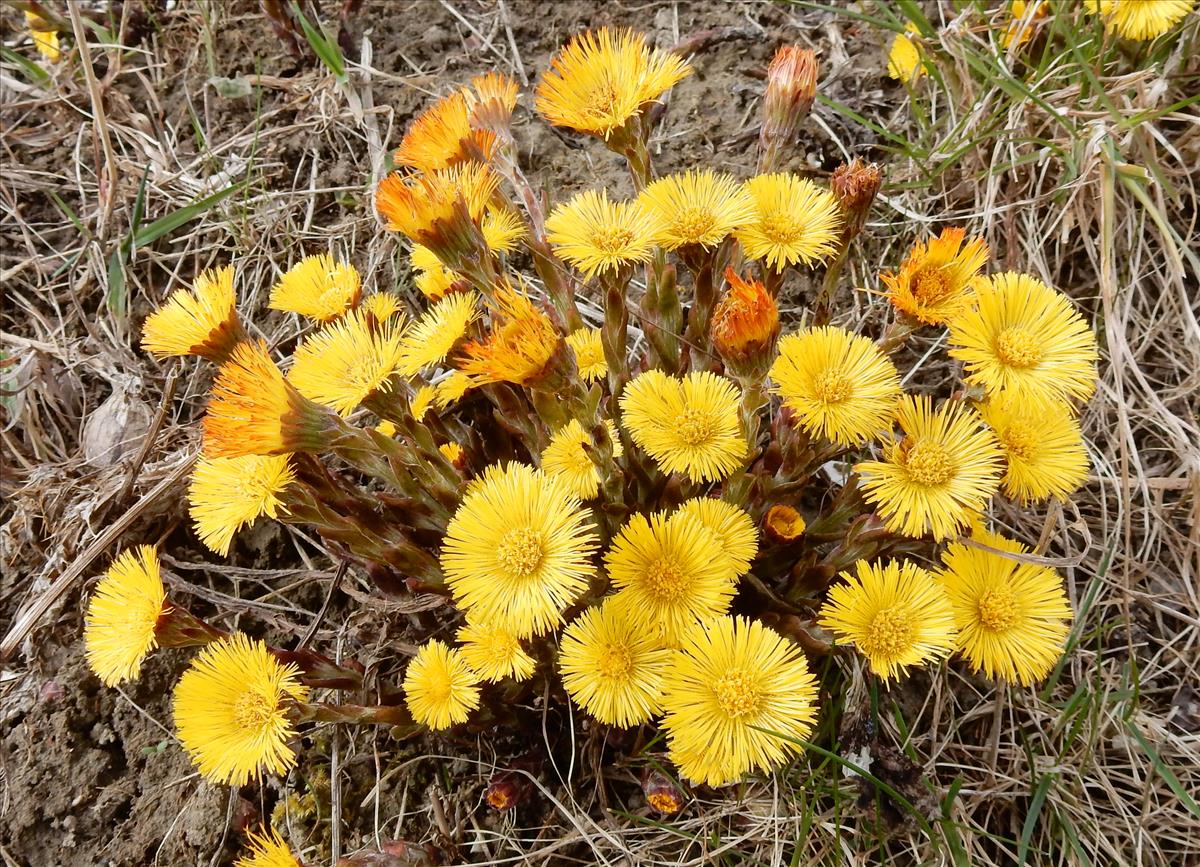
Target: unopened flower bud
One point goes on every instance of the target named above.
(506, 789)
(791, 88)
(662, 794)
(855, 187)
(783, 524)
(745, 324)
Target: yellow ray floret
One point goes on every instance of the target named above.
(122, 612)
(838, 385)
(731, 696)
(745, 322)
(733, 528)
(1140, 19)
(794, 221)
(494, 652)
(232, 711)
(1042, 443)
(1025, 337)
(699, 207)
(440, 689)
(934, 281)
(588, 347)
(266, 849)
(251, 407)
(598, 236)
(670, 573)
(518, 550)
(201, 322)
(601, 79)
(226, 494)
(319, 287)
(441, 136)
(939, 476)
(895, 613)
(348, 361)
(1022, 18)
(568, 457)
(431, 338)
(612, 667)
(518, 346)
(689, 426)
(905, 57)
(1013, 618)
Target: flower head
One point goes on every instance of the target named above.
(1042, 443)
(517, 349)
(502, 229)
(201, 322)
(45, 39)
(697, 207)
(791, 89)
(855, 185)
(733, 528)
(226, 494)
(454, 453)
(839, 385)
(382, 306)
(1013, 618)
(603, 78)
(421, 401)
(895, 613)
(794, 221)
(934, 282)
(451, 389)
(492, 99)
(939, 476)
(905, 57)
(612, 667)
(1022, 17)
(588, 347)
(1140, 19)
(670, 574)
(319, 287)
(745, 322)
(518, 550)
(231, 711)
(347, 361)
(494, 652)
(441, 137)
(783, 524)
(431, 338)
(440, 210)
(731, 695)
(122, 614)
(266, 849)
(597, 236)
(689, 426)
(1024, 336)
(568, 457)
(440, 688)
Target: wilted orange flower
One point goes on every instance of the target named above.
(855, 186)
(520, 343)
(934, 282)
(745, 323)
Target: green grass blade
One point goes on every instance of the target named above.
(1031, 818)
(325, 48)
(1164, 771)
(32, 71)
(171, 222)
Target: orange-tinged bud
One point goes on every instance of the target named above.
(783, 524)
(662, 794)
(855, 187)
(791, 88)
(506, 789)
(745, 323)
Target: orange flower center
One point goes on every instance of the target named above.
(614, 663)
(929, 464)
(695, 428)
(666, 580)
(832, 386)
(785, 522)
(521, 552)
(889, 634)
(693, 224)
(1016, 347)
(931, 285)
(738, 694)
(998, 609)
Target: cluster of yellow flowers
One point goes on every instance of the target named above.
(633, 513)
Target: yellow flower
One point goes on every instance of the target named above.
(1021, 21)
(429, 340)
(745, 322)
(699, 206)
(436, 284)
(895, 613)
(733, 528)
(1024, 336)
(731, 695)
(452, 452)
(518, 347)
(436, 210)
(794, 221)
(838, 385)
(45, 39)
(440, 689)
(502, 229)
(226, 494)
(905, 57)
(266, 849)
(612, 667)
(451, 389)
(939, 476)
(1140, 19)
(598, 236)
(601, 79)
(494, 652)
(518, 550)
(232, 711)
(783, 524)
(319, 287)
(934, 282)
(387, 428)
(568, 458)
(119, 630)
(201, 322)
(348, 361)
(382, 305)
(670, 574)
(588, 347)
(689, 426)
(1013, 618)
(441, 137)
(492, 98)
(421, 401)
(1042, 443)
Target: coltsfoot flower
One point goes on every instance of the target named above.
(934, 282)
(598, 236)
(494, 652)
(226, 494)
(589, 353)
(349, 360)
(319, 287)
(266, 848)
(567, 458)
(698, 207)
(1140, 19)
(122, 613)
(440, 688)
(517, 348)
(795, 221)
(432, 337)
(202, 322)
(1042, 444)
(905, 57)
(733, 528)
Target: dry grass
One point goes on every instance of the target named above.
(1091, 186)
